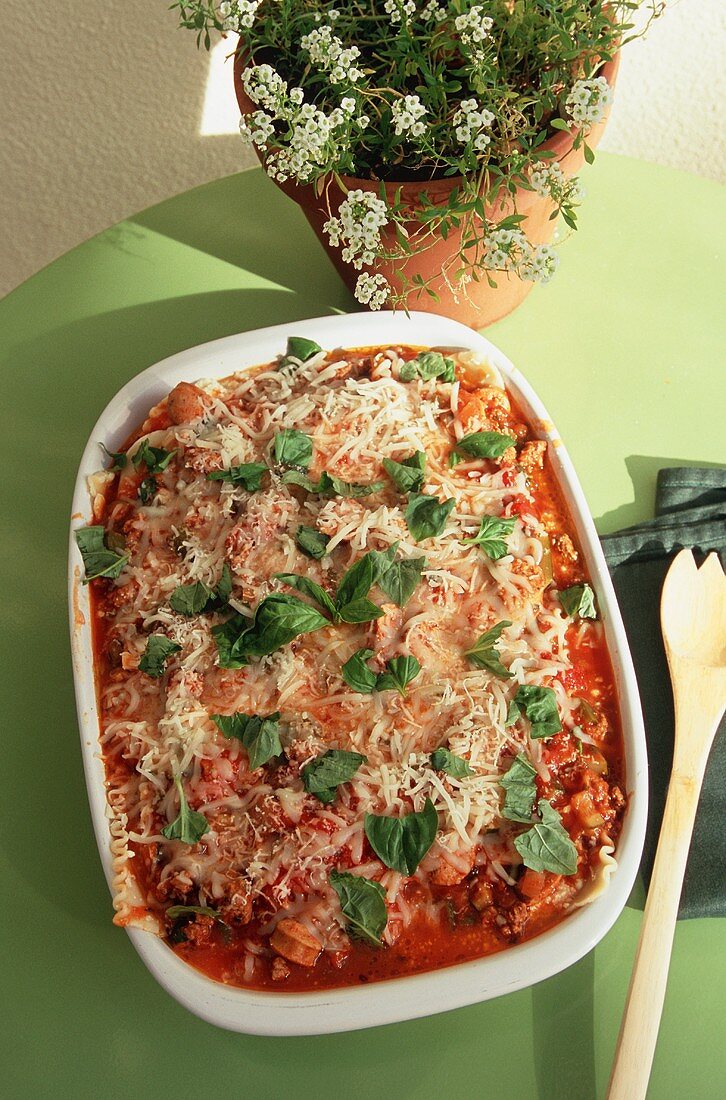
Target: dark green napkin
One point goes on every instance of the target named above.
(690, 510)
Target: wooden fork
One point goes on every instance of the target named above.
(693, 620)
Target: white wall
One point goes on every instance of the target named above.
(106, 108)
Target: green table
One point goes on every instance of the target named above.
(624, 349)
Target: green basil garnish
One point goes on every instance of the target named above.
(197, 598)
(426, 516)
(148, 490)
(491, 536)
(408, 474)
(428, 365)
(521, 790)
(259, 735)
(547, 846)
(312, 542)
(189, 826)
(485, 444)
(443, 760)
(323, 776)
(402, 842)
(300, 348)
(578, 601)
(357, 674)
(293, 448)
(329, 486)
(176, 911)
(278, 619)
(363, 903)
(350, 604)
(401, 579)
(540, 706)
(118, 458)
(400, 671)
(483, 654)
(248, 474)
(99, 559)
(158, 649)
(311, 589)
(156, 459)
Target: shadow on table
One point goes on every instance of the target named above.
(245, 220)
(563, 1030)
(643, 471)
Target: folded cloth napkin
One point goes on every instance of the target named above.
(690, 510)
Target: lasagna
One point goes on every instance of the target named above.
(357, 715)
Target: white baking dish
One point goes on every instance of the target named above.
(422, 994)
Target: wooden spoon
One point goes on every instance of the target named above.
(693, 620)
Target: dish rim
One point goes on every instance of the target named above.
(417, 995)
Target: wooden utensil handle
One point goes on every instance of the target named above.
(641, 1019)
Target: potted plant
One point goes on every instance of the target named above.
(432, 146)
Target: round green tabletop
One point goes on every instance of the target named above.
(625, 348)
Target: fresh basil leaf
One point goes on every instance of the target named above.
(99, 560)
(189, 826)
(485, 444)
(247, 474)
(293, 448)
(357, 581)
(363, 903)
(224, 586)
(426, 516)
(483, 654)
(520, 790)
(300, 348)
(324, 775)
(402, 842)
(428, 365)
(443, 760)
(259, 735)
(156, 459)
(400, 671)
(176, 911)
(401, 579)
(513, 713)
(118, 458)
(357, 674)
(309, 588)
(547, 846)
(578, 601)
(278, 619)
(359, 611)
(492, 535)
(407, 475)
(148, 490)
(540, 706)
(190, 599)
(158, 649)
(329, 486)
(312, 542)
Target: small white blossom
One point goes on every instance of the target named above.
(361, 217)
(434, 10)
(509, 250)
(589, 101)
(551, 182)
(238, 14)
(471, 123)
(372, 290)
(257, 128)
(264, 86)
(407, 114)
(539, 265)
(399, 10)
(473, 27)
(327, 52)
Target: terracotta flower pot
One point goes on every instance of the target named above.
(480, 304)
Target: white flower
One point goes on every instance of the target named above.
(539, 265)
(327, 52)
(239, 14)
(361, 217)
(589, 101)
(257, 128)
(406, 114)
(347, 104)
(471, 123)
(473, 27)
(433, 10)
(509, 250)
(372, 290)
(264, 86)
(399, 10)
